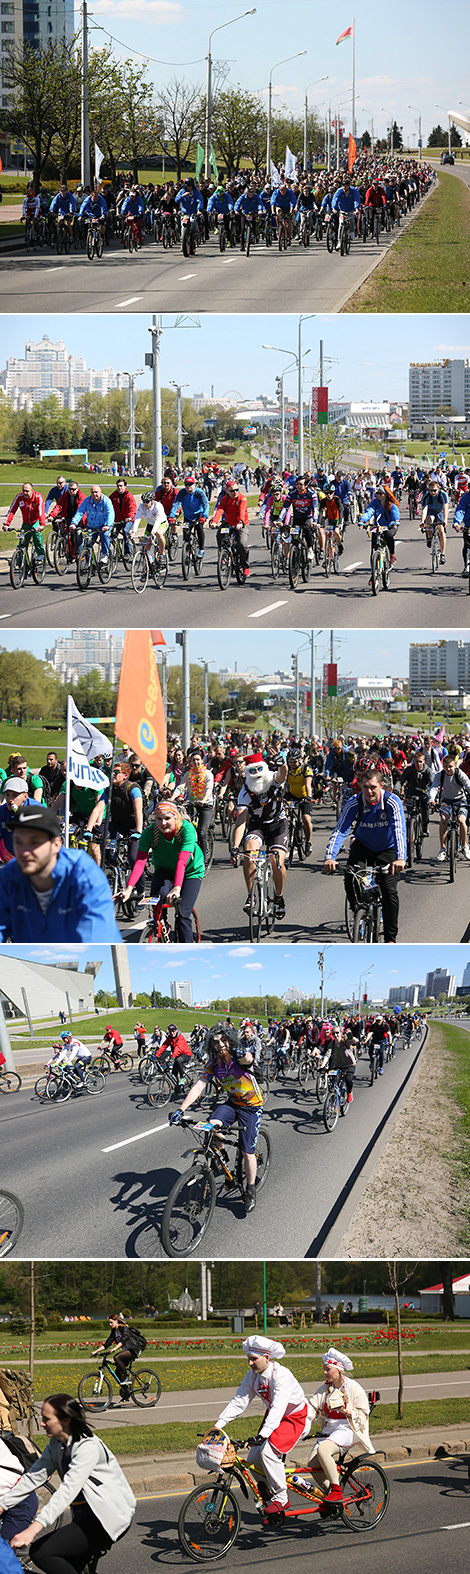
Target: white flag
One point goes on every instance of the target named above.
(290, 164)
(274, 175)
(83, 742)
(88, 737)
(98, 161)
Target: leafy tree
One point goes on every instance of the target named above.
(38, 81)
(179, 119)
(94, 695)
(28, 688)
(455, 137)
(397, 136)
(238, 127)
(366, 139)
(140, 114)
(47, 425)
(437, 137)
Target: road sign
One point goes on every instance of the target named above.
(193, 717)
(165, 450)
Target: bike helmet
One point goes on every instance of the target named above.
(148, 497)
(66, 1037)
(246, 1023)
(172, 1028)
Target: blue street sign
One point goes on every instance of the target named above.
(165, 450)
(193, 717)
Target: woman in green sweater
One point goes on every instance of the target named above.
(177, 861)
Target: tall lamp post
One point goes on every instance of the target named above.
(207, 159)
(152, 359)
(309, 84)
(132, 377)
(277, 63)
(418, 112)
(179, 424)
(297, 360)
(332, 100)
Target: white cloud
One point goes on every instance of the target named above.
(253, 967)
(241, 950)
(171, 965)
(164, 12)
(460, 351)
(46, 954)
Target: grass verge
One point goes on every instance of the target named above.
(428, 270)
(188, 1376)
(457, 1041)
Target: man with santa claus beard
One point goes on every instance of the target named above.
(262, 818)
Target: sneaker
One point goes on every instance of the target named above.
(310, 555)
(275, 1507)
(250, 1204)
(335, 1495)
(246, 905)
(466, 852)
(381, 1071)
(350, 1098)
(279, 907)
(201, 553)
(246, 573)
(442, 558)
(441, 857)
(465, 572)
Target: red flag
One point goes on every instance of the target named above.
(140, 717)
(352, 153)
(349, 33)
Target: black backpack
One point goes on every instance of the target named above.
(17, 1446)
(135, 1341)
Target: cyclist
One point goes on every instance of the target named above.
(283, 201)
(198, 785)
(133, 209)
(94, 207)
(262, 817)
(15, 792)
(156, 521)
(31, 508)
(92, 1486)
(194, 502)
(31, 209)
(177, 860)
(190, 202)
(175, 1048)
(331, 517)
(49, 892)
(451, 786)
(462, 518)
(378, 823)
(416, 782)
(343, 1408)
(63, 205)
(232, 1067)
(248, 203)
(125, 508)
(100, 517)
(304, 504)
(435, 508)
(383, 514)
(287, 1418)
(111, 1043)
(232, 507)
(75, 1053)
(123, 1355)
(221, 202)
(299, 786)
(346, 200)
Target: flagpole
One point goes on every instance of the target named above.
(354, 81)
(108, 804)
(67, 770)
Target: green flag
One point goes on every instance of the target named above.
(199, 159)
(213, 164)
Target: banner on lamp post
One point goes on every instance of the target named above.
(330, 680)
(319, 406)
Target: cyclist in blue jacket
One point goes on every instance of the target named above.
(222, 202)
(194, 502)
(100, 517)
(190, 200)
(50, 892)
(63, 205)
(133, 207)
(385, 514)
(462, 519)
(377, 821)
(346, 200)
(283, 201)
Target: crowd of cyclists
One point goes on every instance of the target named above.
(303, 519)
(242, 211)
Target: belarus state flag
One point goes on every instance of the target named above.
(348, 34)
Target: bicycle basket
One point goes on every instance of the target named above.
(214, 1450)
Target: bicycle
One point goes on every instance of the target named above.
(298, 557)
(331, 557)
(364, 923)
(336, 1101)
(379, 561)
(94, 239)
(63, 235)
(209, 1521)
(148, 563)
(228, 557)
(11, 1221)
(10, 1082)
(263, 895)
(90, 561)
(64, 1082)
(414, 831)
(375, 1056)
(95, 1390)
(26, 560)
(452, 845)
(117, 871)
(131, 240)
(164, 1083)
(190, 552)
(282, 232)
(120, 549)
(64, 551)
(435, 549)
(298, 837)
(120, 1061)
(158, 929)
(280, 550)
(344, 234)
(190, 1206)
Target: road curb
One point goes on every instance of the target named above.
(383, 254)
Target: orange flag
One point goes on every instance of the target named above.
(140, 717)
(157, 637)
(352, 152)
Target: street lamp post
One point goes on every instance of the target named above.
(309, 84)
(332, 99)
(207, 158)
(277, 63)
(364, 975)
(184, 319)
(206, 665)
(296, 361)
(179, 423)
(418, 112)
(132, 377)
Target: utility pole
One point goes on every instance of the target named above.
(280, 394)
(321, 967)
(182, 639)
(164, 679)
(203, 1284)
(312, 685)
(300, 404)
(295, 669)
(153, 360)
(85, 122)
(179, 424)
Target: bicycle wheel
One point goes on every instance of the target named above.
(303, 1070)
(90, 245)
(255, 911)
(11, 1221)
(304, 565)
(84, 568)
(10, 1082)
(18, 568)
(343, 1100)
(197, 563)
(386, 568)
(321, 1088)
(294, 565)
(248, 239)
(104, 564)
(275, 559)
(102, 1063)
(40, 1087)
(348, 918)
(95, 1392)
(435, 553)
(94, 1082)
(331, 1110)
(38, 566)
(159, 1091)
(160, 570)
(146, 1387)
(188, 1212)
(50, 547)
(126, 1062)
(270, 897)
(209, 855)
(186, 557)
(375, 571)
(146, 1068)
(411, 840)
(140, 570)
(363, 926)
(172, 544)
(60, 559)
(209, 1522)
(99, 244)
(452, 853)
(223, 567)
(335, 558)
(366, 1495)
(330, 239)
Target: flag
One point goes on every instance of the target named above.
(157, 637)
(349, 33)
(98, 161)
(274, 175)
(199, 160)
(82, 731)
(352, 153)
(83, 742)
(140, 717)
(290, 164)
(213, 164)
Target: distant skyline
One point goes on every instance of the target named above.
(361, 362)
(224, 971)
(376, 653)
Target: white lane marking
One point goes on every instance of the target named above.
(141, 1135)
(4, 615)
(464, 1525)
(352, 566)
(130, 302)
(264, 610)
(56, 270)
(186, 276)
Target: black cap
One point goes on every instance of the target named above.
(38, 817)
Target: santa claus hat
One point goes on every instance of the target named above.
(255, 759)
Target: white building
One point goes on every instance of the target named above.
(440, 982)
(182, 989)
(293, 996)
(445, 660)
(84, 650)
(362, 414)
(405, 995)
(434, 384)
(431, 1299)
(46, 368)
(45, 989)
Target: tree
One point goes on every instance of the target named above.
(366, 139)
(455, 137)
(329, 443)
(140, 114)
(179, 119)
(398, 1276)
(448, 1302)
(238, 127)
(38, 81)
(396, 136)
(94, 695)
(28, 688)
(47, 425)
(437, 137)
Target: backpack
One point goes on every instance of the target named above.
(135, 1341)
(24, 1453)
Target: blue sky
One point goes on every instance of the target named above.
(364, 358)
(363, 652)
(222, 971)
(408, 57)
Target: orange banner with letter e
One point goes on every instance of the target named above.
(352, 153)
(140, 717)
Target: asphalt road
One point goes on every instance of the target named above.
(154, 279)
(315, 901)
(425, 1528)
(94, 1174)
(416, 597)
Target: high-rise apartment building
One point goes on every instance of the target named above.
(443, 660)
(47, 368)
(437, 386)
(83, 650)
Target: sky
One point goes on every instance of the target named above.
(361, 652)
(410, 58)
(365, 358)
(219, 972)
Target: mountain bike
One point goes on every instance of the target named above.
(364, 923)
(121, 549)
(11, 1221)
(117, 870)
(95, 1389)
(64, 1082)
(210, 1518)
(158, 928)
(298, 837)
(331, 557)
(379, 561)
(191, 1203)
(148, 563)
(344, 234)
(228, 557)
(452, 846)
(131, 240)
(26, 560)
(190, 551)
(164, 1083)
(336, 1101)
(263, 895)
(414, 830)
(120, 1061)
(94, 239)
(280, 550)
(90, 561)
(64, 549)
(299, 562)
(10, 1082)
(63, 235)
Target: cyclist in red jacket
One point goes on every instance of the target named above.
(232, 506)
(176, 1045)
(125, 509)
(32, 510)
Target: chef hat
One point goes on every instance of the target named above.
(336, 1359)
(256, 1345)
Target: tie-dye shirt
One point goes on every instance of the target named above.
(237, 1082)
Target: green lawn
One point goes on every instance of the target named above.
(428, 269)
(456, 1039)
(125, 1021)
